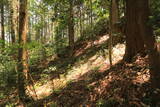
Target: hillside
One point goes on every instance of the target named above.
(88, 80)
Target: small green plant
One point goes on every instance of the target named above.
(101, 103)
(111, 102)
(53, 104)
(90, 87)
(69, 82)
(57, 91)
(10, 105)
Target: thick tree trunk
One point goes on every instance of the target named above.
(151, 46)
(22, 52)
(134, 41)
(2, 24)
(139, 34)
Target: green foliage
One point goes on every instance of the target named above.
(111, 102)
(57, 91)
(8, 74)
(10, 105)
(100, 103)
(53, 104)
(155, 17)
(39, 51)
(35, 50)
(7, 67)
(60, 39)
(99, 28)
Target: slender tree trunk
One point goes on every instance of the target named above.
(83, 19)
(8, 23)
(114, 17)
(49, 28)
(17, 19)
(13, 20)
(2, 23)
(110, 35)
(22, 52)
(80, 23)
(71, 27)
(91, 14)
(29, 39)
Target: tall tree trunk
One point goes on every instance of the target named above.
(134, 40)
(146, 33)
(91, 13)
(140, 33)
(71, 27)
(30, 23)
(22, 52)
(2, 23)
(114, 17)
(80, 23)
(152, 48)
(13, 20)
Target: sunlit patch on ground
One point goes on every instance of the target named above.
(143, 75)
(98, 83)
(95, 63)
(90, 44)
(118, 52)
(101, 40)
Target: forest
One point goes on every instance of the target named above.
(79, 53)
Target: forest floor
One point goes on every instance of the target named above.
(88, 58)
(88, 80)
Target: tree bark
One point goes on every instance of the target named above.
(134, 40)
(2, 24)
(80, 10)
(22, 52)
(150, 42)
(13, 20)
(91, 13)
(139, 36)
(114, 17)
(71, 27)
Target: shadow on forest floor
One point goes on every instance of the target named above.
(123, 84)
(83, 51)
